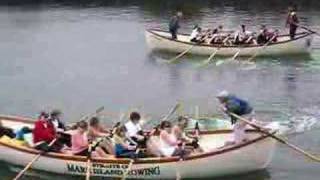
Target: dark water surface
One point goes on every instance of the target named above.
(79, 55)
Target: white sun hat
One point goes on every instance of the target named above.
(223, 94)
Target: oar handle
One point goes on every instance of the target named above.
(21, 173)
(294, 147)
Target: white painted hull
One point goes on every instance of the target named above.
(160, 41)
(244, 158)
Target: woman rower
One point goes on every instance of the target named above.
(169, 144)
(99, 135)
(122, 148)
(79, 140)
(191, 141)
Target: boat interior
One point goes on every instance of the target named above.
(185, 38)
(211, 142)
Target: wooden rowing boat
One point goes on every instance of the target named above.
(251, 155)
(159, 40)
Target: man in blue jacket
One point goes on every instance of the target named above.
(232, 104)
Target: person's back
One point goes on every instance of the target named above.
(43, 130)
(79, 140)
(238, 106)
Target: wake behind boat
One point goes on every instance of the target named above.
(159, 40)
(216, 160)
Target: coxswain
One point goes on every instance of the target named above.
(292, 21)
(174, 24)
(232, 104)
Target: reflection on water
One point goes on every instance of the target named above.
(78, 55)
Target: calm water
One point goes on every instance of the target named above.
(79, 55)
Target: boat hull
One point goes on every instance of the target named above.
(246, 157)
(161, 41)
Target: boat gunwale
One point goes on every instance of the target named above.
(302, 35)
(152, 160)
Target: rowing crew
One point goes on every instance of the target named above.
(92, 138)
(240, 37)
(123, 141)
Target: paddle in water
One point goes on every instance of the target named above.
(173, 60)
(220, 62)
(283, 141)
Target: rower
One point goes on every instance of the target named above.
(44, 133)
(292, 21)
(55, 118)
(122, 148)
(174, 24)
(99, 135)
(191, 141)
(169, 144)
(134, 130)
(80, 143)
(262, 36)
(194, 37)
(243, 36)
(232, 104)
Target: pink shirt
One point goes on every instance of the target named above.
(79, 142)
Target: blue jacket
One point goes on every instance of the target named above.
(237, 106)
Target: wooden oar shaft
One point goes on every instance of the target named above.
(171, 112)
(308, 29)
(181, 54)
(125, 174)
(262, 48)
(88, 169)
(294, 147)
(21, 173)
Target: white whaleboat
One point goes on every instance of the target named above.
(159, 40)
(254, 154)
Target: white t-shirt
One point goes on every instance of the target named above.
(132, 129)
(194, 34)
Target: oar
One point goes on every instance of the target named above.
(308, 29)
(180, 55)
(207, 61)
(32, 161)
(218, 63)
(171, 112)
(88, 171)
(89, 163)
(100, 109)
(278, 138)
(125, 174)
(260, 49)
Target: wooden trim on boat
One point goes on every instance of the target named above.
(126, 160)
(301, 35)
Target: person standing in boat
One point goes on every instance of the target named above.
(174, 25)
(232, 104)
(292, 21)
